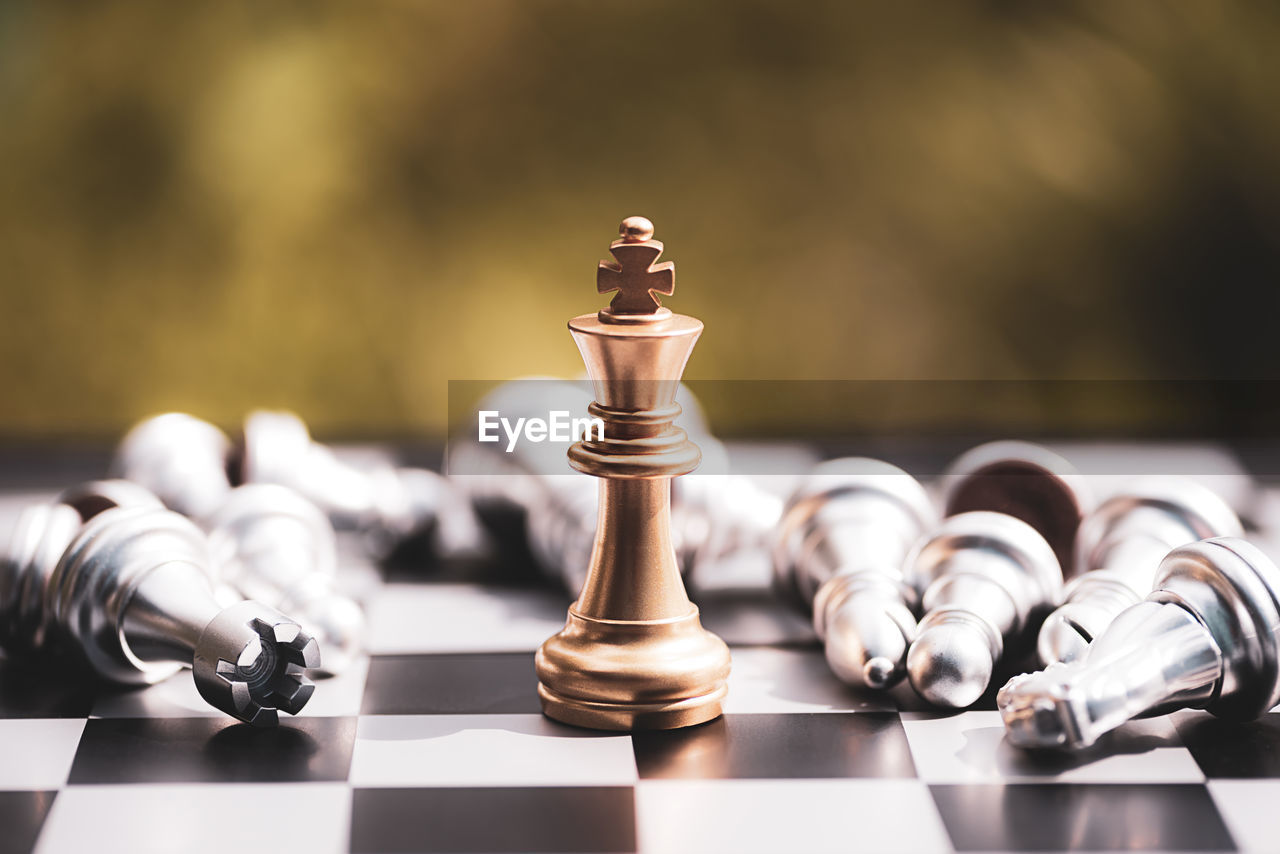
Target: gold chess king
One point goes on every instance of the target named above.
(634, 654)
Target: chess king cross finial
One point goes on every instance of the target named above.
(635, 276)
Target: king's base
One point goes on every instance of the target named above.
(631, 675)
(626, 717)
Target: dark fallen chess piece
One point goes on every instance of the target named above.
(1119, 549)
(1208, 637)
(986, 578)
(191, 465)
(1023, 480)
(94, 496)
(272, 545)
(839, 550)
(130, 591)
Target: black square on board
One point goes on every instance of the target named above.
(564, 819)
(1225, 749)
(452, 684)
(53, 691)
(1075, 817)
(22, 814)
(213, 750)
(776, 746)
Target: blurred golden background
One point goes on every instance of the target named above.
(338, 208)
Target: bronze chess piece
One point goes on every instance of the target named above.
(634, 654)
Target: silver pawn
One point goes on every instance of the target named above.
(839, 550)
(132, 593)
(1119, 549)
(180, 458)
(272, 545)
(1207, 637)
(1023, 480)
(985, 576)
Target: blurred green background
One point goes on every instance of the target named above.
(338, 208)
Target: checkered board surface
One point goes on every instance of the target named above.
(435, 743)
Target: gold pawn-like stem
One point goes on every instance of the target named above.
(633, 653)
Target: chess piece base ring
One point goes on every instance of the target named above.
(628, 717)
(633, 675)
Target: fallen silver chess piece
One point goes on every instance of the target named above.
(272, 545)
(985, 576)
(723, 526)
(1208, 637)
(130, 590)
(192, 465)
(1118, 551)
(34, 539)
(180, 458)
(839, 551)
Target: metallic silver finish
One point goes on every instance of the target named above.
(274, 546)
(180, 458)
(250, 662)
(1119, 549)
(1207, 637)
(1023, 480)
(191, 465)
(29, 551)
(384, 503)
(133, 593)
(35, 540)
(434, 499)
(561, 526)
(719, 517)
(839, 549)
(985, 576)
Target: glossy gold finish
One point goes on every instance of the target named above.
(634, 654)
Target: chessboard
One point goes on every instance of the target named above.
(434, 743)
